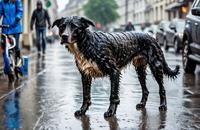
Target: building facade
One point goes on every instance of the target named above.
(125, 11)
(139, 12)
(177, 8)
(153, 11)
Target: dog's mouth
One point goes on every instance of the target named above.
(65, 42)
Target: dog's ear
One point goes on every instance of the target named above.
(57, 22)
(86, 22)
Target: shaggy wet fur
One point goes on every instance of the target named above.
(99, 54)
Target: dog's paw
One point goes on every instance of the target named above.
(108, 114)
(79, 113)
(163, 107)
(140, 106)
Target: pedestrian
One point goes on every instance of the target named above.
(12, 11)
(129, 27)
(39, 17)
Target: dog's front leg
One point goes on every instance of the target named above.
(86, 84)
(114, 97)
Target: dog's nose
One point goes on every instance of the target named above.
(65, 37)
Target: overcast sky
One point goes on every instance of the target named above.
(61, 4)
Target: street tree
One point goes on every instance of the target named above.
(102, 11)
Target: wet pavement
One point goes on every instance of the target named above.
(49, 96)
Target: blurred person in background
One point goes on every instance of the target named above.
(12, 11)
(39, 17)
(129, 27)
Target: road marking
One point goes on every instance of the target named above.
(38, 121)
(23, 84)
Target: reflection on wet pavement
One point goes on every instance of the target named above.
(52, 93)
(11, 110)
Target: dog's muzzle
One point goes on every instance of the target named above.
(64, 39)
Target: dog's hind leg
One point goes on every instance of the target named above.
(157, 70)
(114, 97)
(86, 83)
(141, 71)
(140, 63)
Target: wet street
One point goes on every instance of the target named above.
(49, 96)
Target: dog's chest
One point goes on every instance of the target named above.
(88, 67)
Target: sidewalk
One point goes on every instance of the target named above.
(5, 87)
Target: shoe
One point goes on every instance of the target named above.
(43, 52)
(39, 54)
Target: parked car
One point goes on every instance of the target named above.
(174, 35)
(116, 29)
(138, 28)
(154, 29)
(191, 39)
(151, 30)
(161, 32)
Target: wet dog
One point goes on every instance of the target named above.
(99, 54)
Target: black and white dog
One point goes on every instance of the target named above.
(99, 54)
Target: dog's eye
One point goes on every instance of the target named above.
(75, 34)
(79, 31)
(62, 27)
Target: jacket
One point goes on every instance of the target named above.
(12, 14)
(129, 27)
(40, 17)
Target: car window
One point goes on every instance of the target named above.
(180, 26)
(166, 25)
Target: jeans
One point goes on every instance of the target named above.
(16, 36)
(39, 32)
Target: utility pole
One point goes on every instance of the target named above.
(126, 12)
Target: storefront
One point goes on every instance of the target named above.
(178, 9)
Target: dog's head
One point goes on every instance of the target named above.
(71, 28)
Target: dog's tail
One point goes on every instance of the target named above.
(168, 71)
(160, 59)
